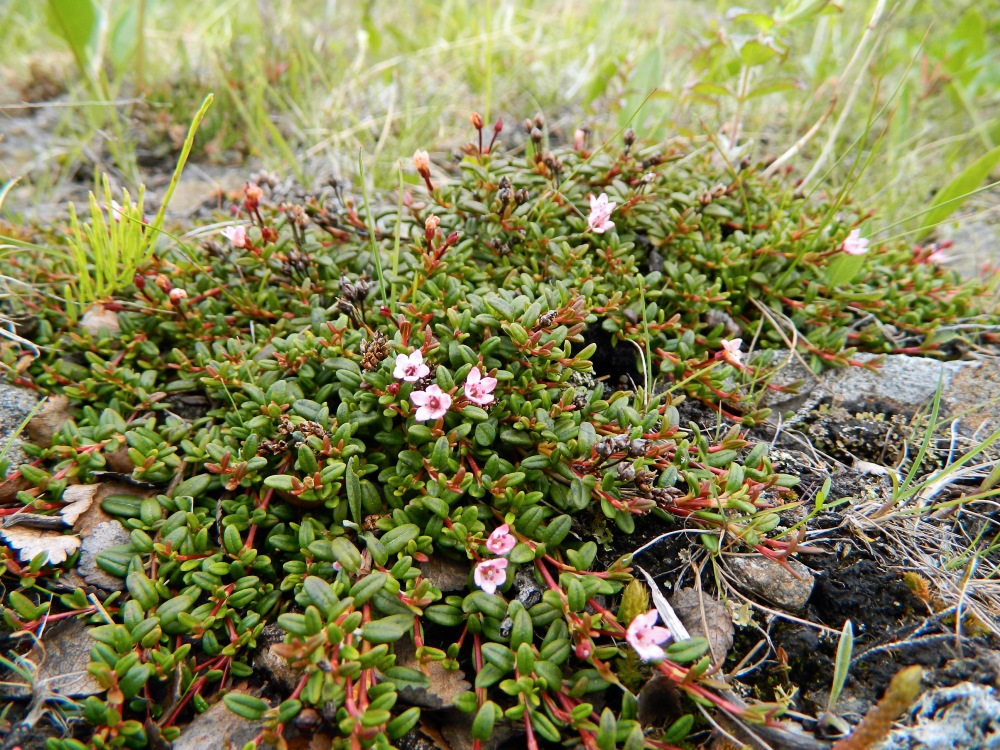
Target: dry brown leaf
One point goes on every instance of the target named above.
(30, 542)
(98, 318)
(76, 492)
(119, 461)
(321, 741)
(72, 512)
(78, 498)
(688, 604)
(446, 574)
(62, 657)
(48, 421)
(659, 703)
(10, 487)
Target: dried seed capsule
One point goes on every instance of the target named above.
(637, 448)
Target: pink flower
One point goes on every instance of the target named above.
(501, 541)
(478, 389)
(433, 403)
(938, 256)
(855, 244)
(411, 367)
(600, 214)
(237, 235)
(177, 294)
(645, 638)
(731, 351)
(490, 574)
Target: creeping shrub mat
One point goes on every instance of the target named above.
(483, 462)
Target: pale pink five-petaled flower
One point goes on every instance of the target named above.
(501, 541)
(731, 351)
(432, 403)
(645, 637)
(491, 574)
(600, 214)
(855, 244)
(411, 367)
(237, 235)
(938, 256)
(478, 389)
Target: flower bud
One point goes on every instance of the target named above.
(177, 294)
(579, 139)
(163, 283)
(629, 137)
(422, 162)
(498, 126)
(536, 135)
(252, 195)
(477, 120)
(431, 225)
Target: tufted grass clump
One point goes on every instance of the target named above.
(317, 407)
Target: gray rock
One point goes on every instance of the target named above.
(909, 382)
(15, 404)
(217, 727)
(965, 716)
(969, 389)
(275, 666)
(759, 576)
(104, 535)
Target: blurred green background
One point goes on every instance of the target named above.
(904, 93)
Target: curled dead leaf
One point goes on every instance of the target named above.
(30, 542)
(705, 617)
(659, 702)
(98, 318)
(10, 487)
(48, 421)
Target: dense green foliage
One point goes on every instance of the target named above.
(305, 491)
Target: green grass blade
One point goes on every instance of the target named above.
(370, 222)
(950, 197)
(841, 666)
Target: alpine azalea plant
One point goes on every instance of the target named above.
(855, 244)
(491, 574)
(411, 367)
(599, 220)
(645, 636)
(432, 403)
(731, 351)
(237, 235)
(479, 389)
(477, 410)
(501, 541)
